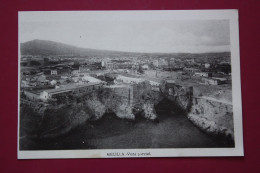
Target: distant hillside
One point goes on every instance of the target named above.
(44, 47)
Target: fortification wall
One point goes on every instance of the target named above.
(212, 116)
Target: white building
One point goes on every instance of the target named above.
(53, 82)
(207, 65)
(54, 72)
(155, 85)
(75, 72)
(202, 74)
(83, 68)
(87, 78)
(74, 89)
(214, 81)
(130, 80)
(24, 83)
(145, 67)
(156, 63)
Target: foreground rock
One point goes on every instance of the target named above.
(213, 116)
(127, 102)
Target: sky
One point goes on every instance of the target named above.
(131, 33)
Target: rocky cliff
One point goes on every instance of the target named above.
(125, 101)
(212, 116)
(128, 102)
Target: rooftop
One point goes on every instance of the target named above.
(170, 81)
(70, 87)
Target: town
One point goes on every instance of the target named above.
(63, 87)
(50, 77)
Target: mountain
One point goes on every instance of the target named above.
(44, 47)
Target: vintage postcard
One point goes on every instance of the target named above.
(118, 84)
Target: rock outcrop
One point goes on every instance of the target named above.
(129, 101)
(212, 116)
(149, 112)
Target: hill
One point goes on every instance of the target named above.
(44, 47)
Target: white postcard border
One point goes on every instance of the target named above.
(232, 16)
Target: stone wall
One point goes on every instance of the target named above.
(129, 101)
(212, 116)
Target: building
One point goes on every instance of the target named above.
(207, 65)
(154, 83)
(75, 72)
(32, 95)
(103, 63)
(145, 67)
(54, 72)
(123, 65)
(191, 70)
(67, 89)
(192, 60)
(156, 63)
(76, 79)
(214, 81)
(41, 78)
(163, 62)
(53, 82)
(203, 74)
(128, 79)
(83, 69)
(25, 83)
(87, 78)
(111, 65)
(221, 80)
(64, 77)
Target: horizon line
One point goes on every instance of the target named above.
(120, 51)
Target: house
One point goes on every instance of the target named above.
(128, 79)
(207, 65)
(123, 65)
(202, 74)
(64, 77)
(191, 70)
(155, 84)
(47, 94)
(53, 82)
(67, 89)
(156, 63)
(83, 68)
(24, 83)
(87, 78)
(54, 72)
(214, 81)
(75, 72)
(32, 84)
(192, 60)
(32, 95)
(75, 79)
(221, 80)
(111, 65)
(145, 67)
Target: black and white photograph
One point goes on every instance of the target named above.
(115, 84)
